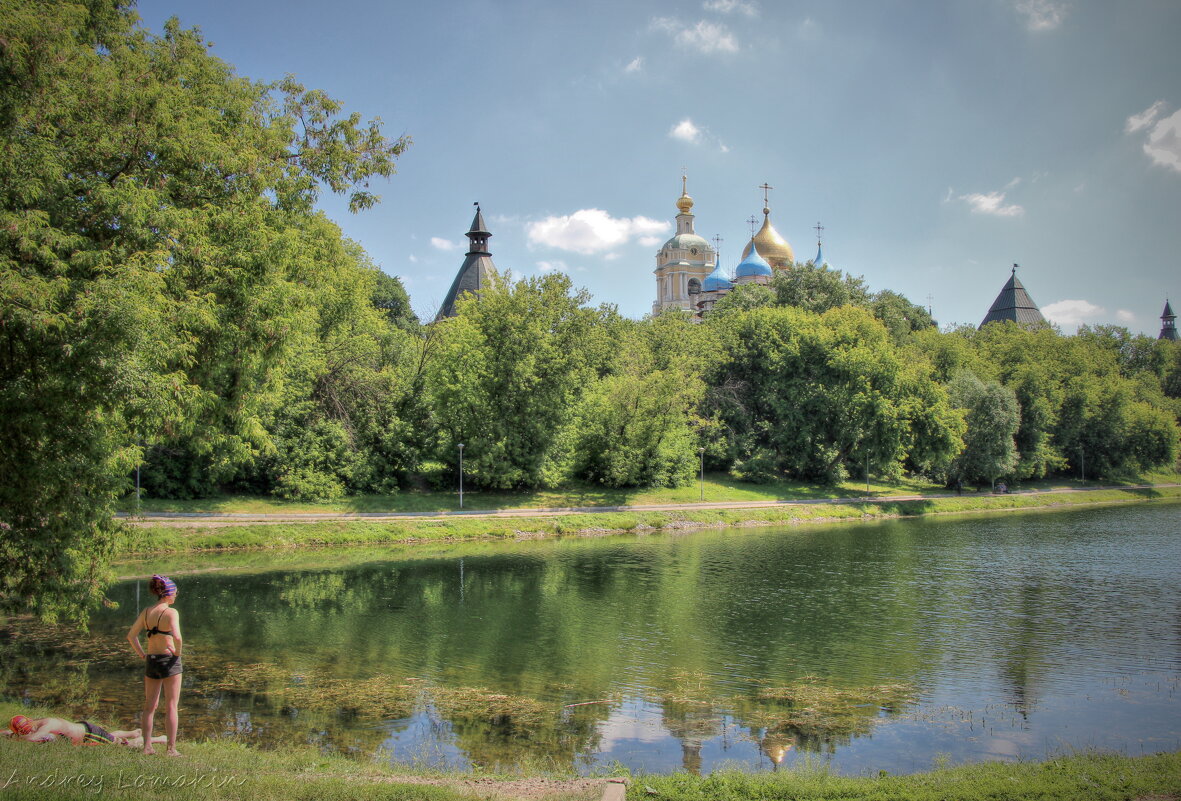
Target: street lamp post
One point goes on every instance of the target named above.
(461, 475)
(701, 453)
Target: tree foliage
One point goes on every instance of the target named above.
(992, 416)
(155, 216)
(636, 424)
(808, 396)
(507, 377)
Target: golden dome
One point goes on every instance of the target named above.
(771, 245)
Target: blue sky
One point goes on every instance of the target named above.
(937, 142)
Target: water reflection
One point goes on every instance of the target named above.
(876, 646)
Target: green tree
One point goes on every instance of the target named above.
(901, 317)
(391, 298)
(743, 297)
(152, 208)
(811, 395)
(507, 376)
(636, 423)
(992, 416)
(818, 288)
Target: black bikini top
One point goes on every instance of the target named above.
(154, 629)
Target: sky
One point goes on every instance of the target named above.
(937, 143)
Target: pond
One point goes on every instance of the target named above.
(892, 646)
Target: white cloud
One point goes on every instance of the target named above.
(650, 241)
(1042, 15)
(557, 266)
(992, 203)
(705, 37)
(413, 259)
(590, 230)
(1125, 316)
(686, 131)
(635, 65)
(1072, 313)
(1164, 142)
(444, 244)
(1138, 122)
(731, 6)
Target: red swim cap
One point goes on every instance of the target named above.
(21, 725)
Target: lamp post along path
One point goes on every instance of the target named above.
(701, 453)
(461, 475)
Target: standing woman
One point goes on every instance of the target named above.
(162, 659)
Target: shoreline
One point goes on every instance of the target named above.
(173, 533)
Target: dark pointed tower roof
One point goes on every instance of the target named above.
(1168, 328)
(477, 271)
(1013, 303)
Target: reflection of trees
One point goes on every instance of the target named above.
(817, 716)
(576, 620)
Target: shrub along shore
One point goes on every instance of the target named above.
(275, 526)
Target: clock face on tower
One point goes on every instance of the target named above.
(693, 251)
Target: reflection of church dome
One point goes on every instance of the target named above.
(771, 245)
(752, 265)
(717, 280)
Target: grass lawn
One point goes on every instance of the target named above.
(227, 771)
(199, 535)
(718, 487)
(1093, 777)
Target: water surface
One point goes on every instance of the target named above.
(1008, 636)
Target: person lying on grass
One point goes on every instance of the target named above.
(43, 730)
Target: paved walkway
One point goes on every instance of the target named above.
(316, 517)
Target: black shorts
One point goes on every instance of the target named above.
(161, 666)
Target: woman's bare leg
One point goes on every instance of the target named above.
(151, 699)
(171, 702)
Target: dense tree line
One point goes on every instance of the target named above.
(173, 302)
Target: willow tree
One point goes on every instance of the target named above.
(151, 210)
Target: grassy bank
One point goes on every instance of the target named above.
(231, 772)
(716, 488)
(1094, 777)
(199, 536)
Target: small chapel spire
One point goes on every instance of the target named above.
(1168, 320)
(478, 234)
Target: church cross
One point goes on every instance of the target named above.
(766, 189)
(753, 220)
(819, 228)
(718, 247)
(684, 178)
